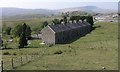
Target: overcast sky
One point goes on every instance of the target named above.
(59, 4)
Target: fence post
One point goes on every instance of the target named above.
(21, 60)
(12, 63)
(31, 57)
(26, 58)
(1, 66)
(37, 55)
(34, 56)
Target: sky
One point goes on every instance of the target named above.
(59, 4)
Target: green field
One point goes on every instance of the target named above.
(92, 52)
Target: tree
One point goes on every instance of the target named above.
(8, 30)
(23, 33)
(17, 30)
(72, 18)
(77, 18)
(65, 19)
(61, 21)
(89, 19)
(23, 36)
(56, 21)
(23, 40)
(45, 23)
(24, 27)
(28, 32)
(82, 18)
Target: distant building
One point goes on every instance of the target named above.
(100, 18)
(115, 15)
(62, 33)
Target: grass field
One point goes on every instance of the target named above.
(92, 52)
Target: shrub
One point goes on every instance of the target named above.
(14, 54)
(6, 53)
(58, 52)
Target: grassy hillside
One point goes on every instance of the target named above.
(33, 23)
(91, 52)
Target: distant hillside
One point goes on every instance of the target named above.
(20, 13)
(88, 9)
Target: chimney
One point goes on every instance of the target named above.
(62, 22)
(70, 22)
(80, 20)
(74, 21)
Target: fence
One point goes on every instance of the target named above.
(12, 63)
(18, 61)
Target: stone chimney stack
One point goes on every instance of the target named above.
(80, 20)
(85, 20)
(62, 22)
(74, 21)
(70, 22)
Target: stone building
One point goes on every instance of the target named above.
(63, 33)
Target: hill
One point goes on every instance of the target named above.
(9, 11)
(20, 13)
(88, 9)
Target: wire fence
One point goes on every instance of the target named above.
(12, 63)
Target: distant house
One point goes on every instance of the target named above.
(62, 33)
(115, 16)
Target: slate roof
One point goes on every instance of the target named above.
(85, 23)
(68, 26)
(59, 28)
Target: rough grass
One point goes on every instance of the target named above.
(91, 52)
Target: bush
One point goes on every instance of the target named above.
(6, 53)
(58, 52)
(14, 54)
(7, 30)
